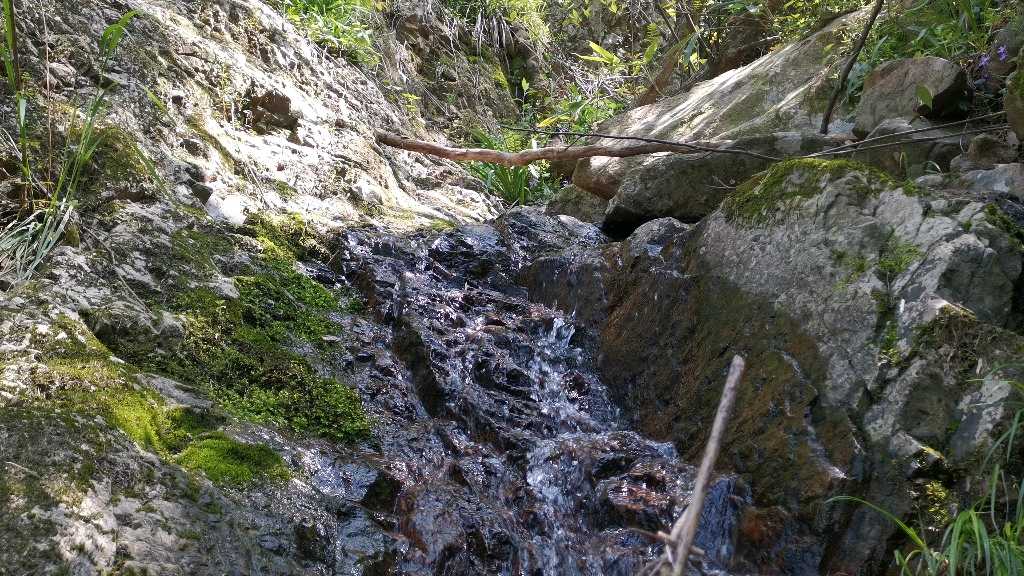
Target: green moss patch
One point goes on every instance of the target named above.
(1016, 86)
(285, 238)
(224, 459)
(897, 255)
(240, 350)
(235, 349)
(180, 434)
(772, 196)
(996, 217)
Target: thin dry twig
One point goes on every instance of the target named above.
(859, 143)
(685, 529)
(993, 128)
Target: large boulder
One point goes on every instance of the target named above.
(786, 91)
(865, 312)
(891, 91)
(691, 186)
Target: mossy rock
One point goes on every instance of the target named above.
(1013, 103)
(771, 197)
(239, 350)
(224, 459)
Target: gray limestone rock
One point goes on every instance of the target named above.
(786, 91)
(578, 203)
(911, 154)
(984, 153)
(1013, 104)
(893, 92)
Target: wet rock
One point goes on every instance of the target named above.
(745, 282)
(891, 91)
(312, 540)
(654, 235)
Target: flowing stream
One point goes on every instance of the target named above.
(500, 450)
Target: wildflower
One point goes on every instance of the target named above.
(1004, 53)
(533, 182)
(565, 182)
(984, 61)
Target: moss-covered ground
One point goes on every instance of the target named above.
(240, 351)
(996, 217)
(83, 380)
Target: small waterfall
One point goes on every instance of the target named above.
(511, 455)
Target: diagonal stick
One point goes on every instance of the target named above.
(685, 529)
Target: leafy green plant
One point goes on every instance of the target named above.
(342, 26)
(30, 236)
(576, 111)
(490, 16)
(514, 184)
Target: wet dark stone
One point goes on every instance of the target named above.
(504, 452)
(382, 493)
(312, 540)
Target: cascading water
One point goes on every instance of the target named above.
(500, 449)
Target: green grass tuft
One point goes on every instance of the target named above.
(897, 255)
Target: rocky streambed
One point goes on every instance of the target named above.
(395, 376)
(531, 391)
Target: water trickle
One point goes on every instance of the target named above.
(507, 451)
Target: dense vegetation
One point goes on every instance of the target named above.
(696, 38)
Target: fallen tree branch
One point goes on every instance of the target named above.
(684, 531)
(703, 146)
(647, 146)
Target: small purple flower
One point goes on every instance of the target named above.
(533, 182)
(984, 61)
(565, 182)
(1004, 53)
